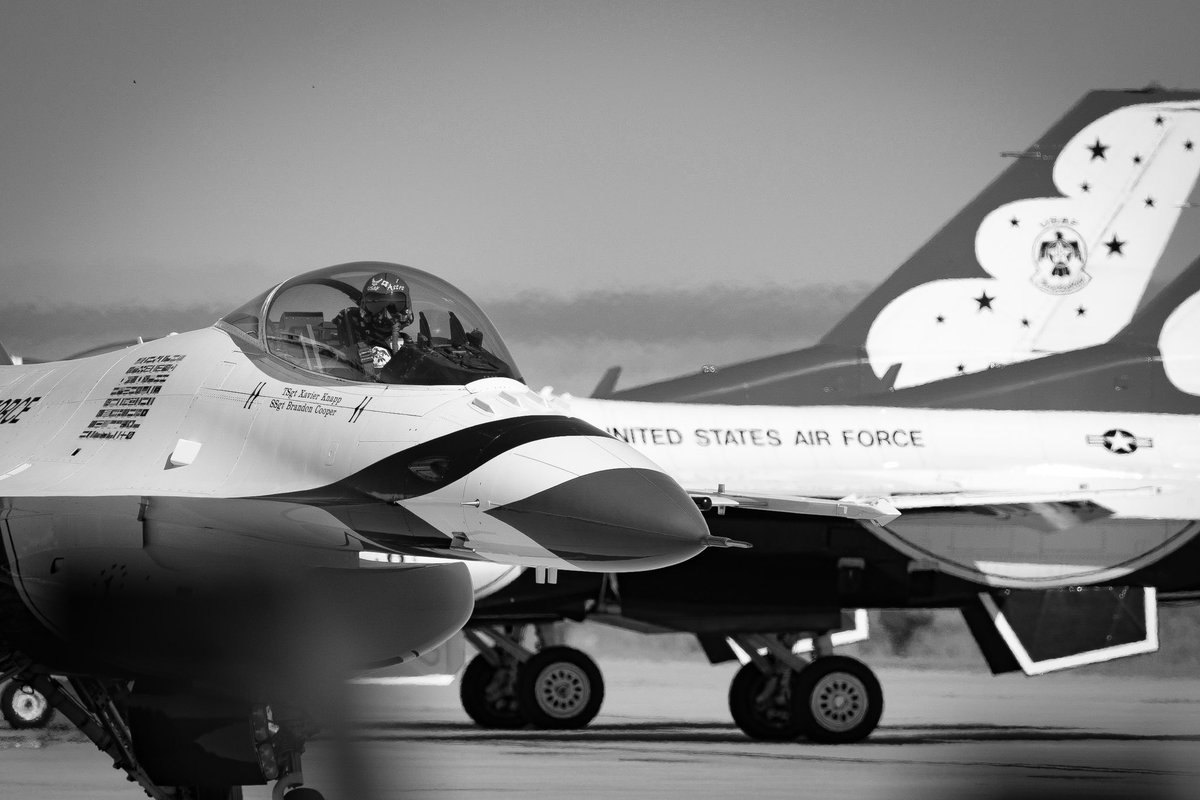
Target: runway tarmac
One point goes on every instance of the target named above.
(665, 732)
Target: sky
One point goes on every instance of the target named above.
(161, 162)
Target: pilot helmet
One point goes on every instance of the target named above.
(385, 297)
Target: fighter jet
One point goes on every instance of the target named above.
(192, 526)
(923, 523)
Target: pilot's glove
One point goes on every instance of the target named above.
(379, 356)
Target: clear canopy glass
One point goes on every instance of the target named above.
(431, 333)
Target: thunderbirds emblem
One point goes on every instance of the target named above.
(1059, 258)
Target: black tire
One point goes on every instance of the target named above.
(838, 700)
(560, 688)
(488, 697)
(304, 793)
(23, 707)
(761, 707)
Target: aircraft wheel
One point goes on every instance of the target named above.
(489, 694)
(837, 700)
(23, 707)
(560, 687)
(761, 703)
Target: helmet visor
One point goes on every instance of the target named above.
(377, 305)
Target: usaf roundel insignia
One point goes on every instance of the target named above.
(1059, 260)
(1121, 442)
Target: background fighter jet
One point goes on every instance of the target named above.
(1001, 494)
(804, 571)
(183, 521)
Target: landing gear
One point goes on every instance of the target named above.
(837, 700)
(178, 745)
(488, 691)
(24, 707)
(561, 688)
(780, 696)
(761, 702)
(509, 685)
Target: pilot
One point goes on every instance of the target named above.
(375, 325)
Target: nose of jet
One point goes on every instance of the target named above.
(616, 520)
(595, 503)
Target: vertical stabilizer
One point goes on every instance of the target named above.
(1054, 255)
(1152, 366)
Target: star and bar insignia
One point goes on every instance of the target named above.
(1120, 442)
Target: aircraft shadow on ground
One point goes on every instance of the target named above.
(727, 733)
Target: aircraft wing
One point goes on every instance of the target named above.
(1046, 511)
(871, 509)
(912, 502)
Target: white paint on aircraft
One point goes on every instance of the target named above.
(1177, 344)
(1009, 498)
(1065, 272)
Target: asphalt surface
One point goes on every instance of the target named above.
(665, 732)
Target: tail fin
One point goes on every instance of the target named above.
(1054, 255)
(5, 358)
(1151, 365)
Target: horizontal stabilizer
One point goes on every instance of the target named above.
(1049, 630)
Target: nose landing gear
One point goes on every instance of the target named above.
(488, 690)
(560, 687)
(508, 685)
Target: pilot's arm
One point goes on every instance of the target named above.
(355, 338)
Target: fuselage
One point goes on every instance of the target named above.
(1009, 492)
(199, 415)
(834, 451)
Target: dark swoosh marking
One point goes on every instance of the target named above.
(429, 466)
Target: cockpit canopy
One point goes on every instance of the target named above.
(314, 322)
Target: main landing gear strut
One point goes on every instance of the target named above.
(508, 685)
(174, 744)
(779, 695)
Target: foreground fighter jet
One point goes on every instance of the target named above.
(184, 521)
(1070, 209)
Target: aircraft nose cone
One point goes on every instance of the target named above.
(619, 519)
